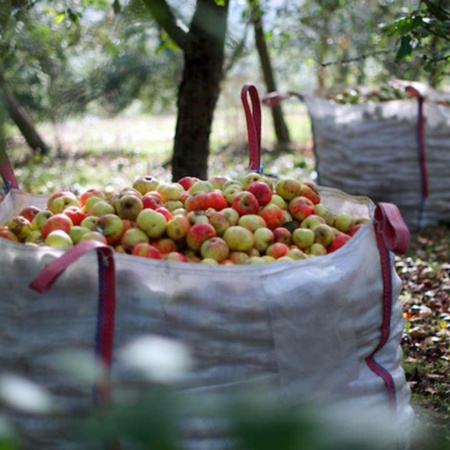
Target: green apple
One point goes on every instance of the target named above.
(303, 238)
(152, 222)
(58, 239)
(239, 238)
(344, 222)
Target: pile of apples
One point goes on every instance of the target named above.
(250, 220)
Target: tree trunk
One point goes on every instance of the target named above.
(199, 89)
(23, 121)
(281, 130)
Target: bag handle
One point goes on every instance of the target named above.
(253, 119)
(106, 299)
(7, 171)
(390, 225)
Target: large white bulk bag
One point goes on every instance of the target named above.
(325, 330)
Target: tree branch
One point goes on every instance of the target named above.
(355, 59)
(163, 15)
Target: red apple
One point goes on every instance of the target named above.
(30, 212)
(300, 208)
(216, 200)
(6, 233)
(146, 251)
(56, 222)
(273, 215)
(187, 181)
(199, 233)
(91, 193)
(177, 227)
(309, 190)
(261, 191)
(283, 235)
(196, 201)
(245, 202)
(338, 242)
(277, 250)
(75, 214)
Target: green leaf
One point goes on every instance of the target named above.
(60, 17)
(405, 48)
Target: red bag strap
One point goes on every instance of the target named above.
(389, 223)
(107, 298)
(7, 171)
(253, 120)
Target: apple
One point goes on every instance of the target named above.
(323, 234)
(196, 201)
(151, 201)
(209, 261)
(344, 222)
(220, 221)
(261, 191)
(91, 193)
(252, 222)
(230, 183)
(214, 248)
(312, 221)
(238, 257)
(324, 212)
(172, 205)
(170, 191)
(152, 222)
(273, 215)
(338, 242)
(288, 188)
(75, 214)
(59, 201)
(296, 254)
(239, 238)
(165, 212)
(30, 212)
(256, 260)
(6, 233)
(76, 232)
(199, 233)
(263, 238)
(283, 235)
(277, 250)
(111, 226)
(40, 218)
(187, 182)
(196, 216)
(128, 206)
(201, 186)
(250, 178)
(218, 181)
(56, 222)
(100, 208)
(317, 249)
(145, 184)
(244, 203)
(227, 262)
(232, 214)
(93, 236)
(128, 190)
(146, 251)
(279, 201)
(132, 237)
(59, 239)
(177, 227)
(165, 245)
(20, 226)
(216, 200)
(35, 237)
(309, 190)
(303, 238)
(90, 222)
(91, 201)
(175, 256)
(300, 208)
(231, 191)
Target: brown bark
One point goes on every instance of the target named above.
(23, 121)
(199, 89)
(203, 52)
(280, 127)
